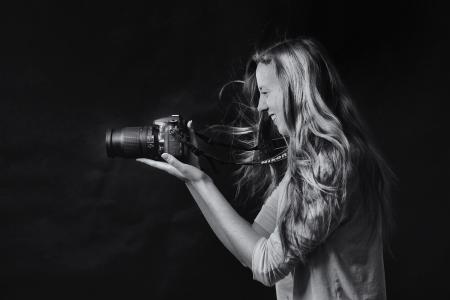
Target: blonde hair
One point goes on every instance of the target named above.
(328, 146)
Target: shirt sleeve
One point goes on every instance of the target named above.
(267, 217)
(269, 262)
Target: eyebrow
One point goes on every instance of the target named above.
(261, 87)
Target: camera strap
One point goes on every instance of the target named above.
(210, 141)
(198, 152)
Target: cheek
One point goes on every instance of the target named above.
(279, 102)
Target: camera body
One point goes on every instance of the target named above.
(164, 135)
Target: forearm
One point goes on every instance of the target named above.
(233, 231)
(210, 219)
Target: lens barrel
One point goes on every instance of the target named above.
(131, 142)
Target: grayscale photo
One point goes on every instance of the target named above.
(224, 150)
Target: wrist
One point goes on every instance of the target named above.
(200, 180)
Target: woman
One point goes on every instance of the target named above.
(319, 234)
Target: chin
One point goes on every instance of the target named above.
(283, 131)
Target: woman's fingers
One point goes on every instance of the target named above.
(181, 168)
(153, 163)
(175, 167)
(171, 160)
(161, 166)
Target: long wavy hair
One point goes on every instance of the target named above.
(329, 150)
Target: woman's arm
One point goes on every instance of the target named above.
(264, 255)
(233, 231)
(237, 235)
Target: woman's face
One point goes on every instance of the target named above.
(271, 95)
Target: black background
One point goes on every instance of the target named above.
(75, 224)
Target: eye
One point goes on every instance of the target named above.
(265, 93)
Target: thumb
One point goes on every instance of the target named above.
(192, 133)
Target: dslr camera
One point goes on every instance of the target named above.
(164, 135)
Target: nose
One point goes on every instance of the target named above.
(262, 105)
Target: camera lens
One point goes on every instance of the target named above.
(130, 142)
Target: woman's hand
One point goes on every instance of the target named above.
(176, 168)
(187, 172)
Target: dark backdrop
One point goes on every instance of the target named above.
(75, 224)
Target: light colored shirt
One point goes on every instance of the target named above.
(346, 265)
